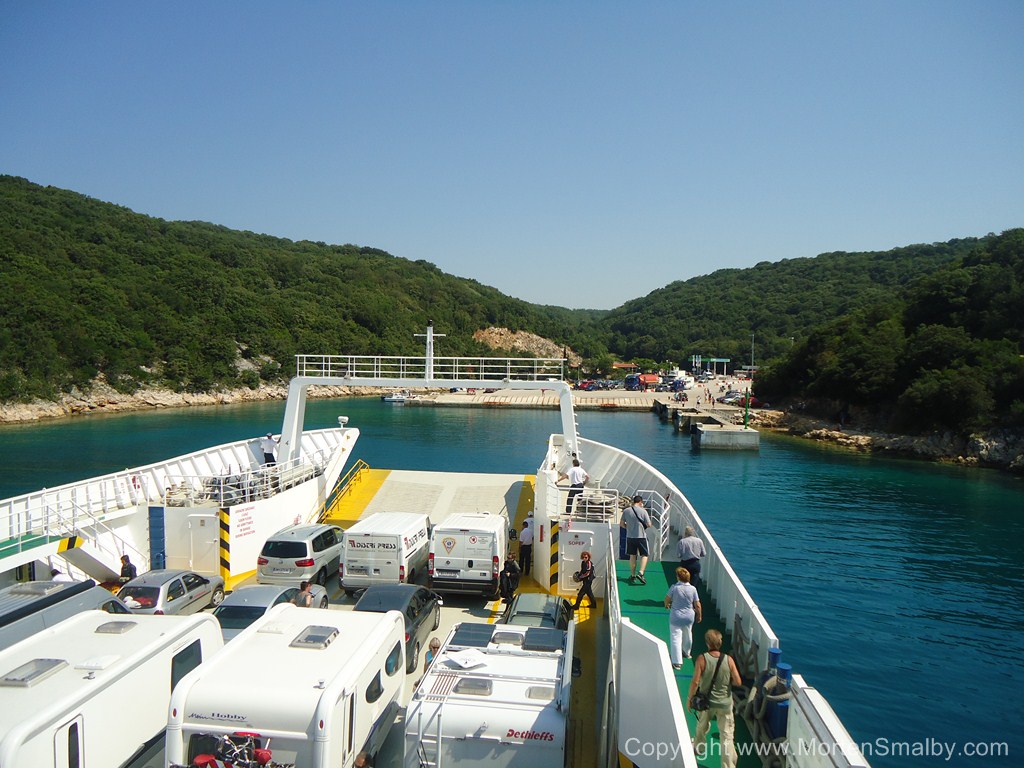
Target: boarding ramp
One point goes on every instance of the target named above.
(429, 371)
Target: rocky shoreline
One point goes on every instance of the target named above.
(997, 449)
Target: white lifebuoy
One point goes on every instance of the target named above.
(135, 482)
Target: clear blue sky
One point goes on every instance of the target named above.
(571, 153)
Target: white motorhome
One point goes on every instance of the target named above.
(93, 690)
(384, 548)
(467, 550)
(496, 695)
(313, 686)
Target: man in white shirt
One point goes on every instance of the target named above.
(526, 547)
(577, 479)
(268, 444)
(57, 575)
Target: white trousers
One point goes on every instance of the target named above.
(680, 637)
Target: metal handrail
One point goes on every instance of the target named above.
(342, 488)
(457, 368)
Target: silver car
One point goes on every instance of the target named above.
(172, 592)
(246, 604)
(300, 553)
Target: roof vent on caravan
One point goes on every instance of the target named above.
(116, 627)
(31, 672)
(97, 663)
(315, 637)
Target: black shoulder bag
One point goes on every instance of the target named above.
(701, 700)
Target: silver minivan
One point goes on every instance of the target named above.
(309, 552)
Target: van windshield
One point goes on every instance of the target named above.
(284, 549)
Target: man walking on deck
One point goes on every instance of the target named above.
(636, 521)
(691, 552)
(577, 479)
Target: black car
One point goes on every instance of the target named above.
(420, 606)
(538, 610)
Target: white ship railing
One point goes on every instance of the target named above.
(223, 476)
(457, 368)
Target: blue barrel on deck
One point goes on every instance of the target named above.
(777, 716)
(777, 713)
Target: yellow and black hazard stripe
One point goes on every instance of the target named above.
(71, 542)
(225, 544)
(553, 565)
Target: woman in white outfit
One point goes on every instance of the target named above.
(685, 611)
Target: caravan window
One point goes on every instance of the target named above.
(185, 660)
(394, 660)
(73, 756)
(374, 689)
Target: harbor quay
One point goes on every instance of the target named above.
(709, 426)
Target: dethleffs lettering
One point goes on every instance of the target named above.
(530, 735)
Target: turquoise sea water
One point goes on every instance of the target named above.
(896, 587)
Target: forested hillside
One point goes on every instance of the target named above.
(946, 355)
(91, 288)
(779, 303)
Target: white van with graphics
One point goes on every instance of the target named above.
(384, 548)
(467, 551)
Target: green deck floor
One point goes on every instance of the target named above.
(644, 605)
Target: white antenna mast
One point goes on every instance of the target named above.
(430, 349)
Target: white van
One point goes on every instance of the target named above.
(496, 695)
(384, 548)
(27, 608)
(467, 551)
(94, 689)
(314, 687)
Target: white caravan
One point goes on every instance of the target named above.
(31, 606)
(496, 695)
(93, 690)
(384, 548)
(313, 686)
(467, 551)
